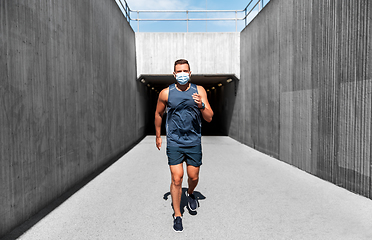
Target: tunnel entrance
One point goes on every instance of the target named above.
(221, 90)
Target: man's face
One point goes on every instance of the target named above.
(181, 68)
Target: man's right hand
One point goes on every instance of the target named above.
(158, 142)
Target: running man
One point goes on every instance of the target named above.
(186, 103)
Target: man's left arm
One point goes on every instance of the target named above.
(201, 98)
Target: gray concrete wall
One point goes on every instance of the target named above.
(305, 90)
(208, 53)
(69, 99)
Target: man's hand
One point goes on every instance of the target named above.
(158, 142)
(198, 100)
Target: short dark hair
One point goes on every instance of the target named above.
(181, 61)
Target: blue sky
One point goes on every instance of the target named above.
(193, 26)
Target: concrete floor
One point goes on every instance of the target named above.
(243, 194)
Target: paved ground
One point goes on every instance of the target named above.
(243, 195)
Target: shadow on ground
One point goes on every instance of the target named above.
(197, 195)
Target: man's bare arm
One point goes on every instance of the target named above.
(160, 108)
(200, 98)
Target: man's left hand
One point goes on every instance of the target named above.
(198, 100)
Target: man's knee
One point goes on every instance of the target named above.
(177, 174)
(194, 178)
(177, 180)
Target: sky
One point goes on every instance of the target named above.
(192, 26)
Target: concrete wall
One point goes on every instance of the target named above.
(305, 90)
(69, 99)
(208, 53)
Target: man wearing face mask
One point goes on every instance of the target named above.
(186, 103)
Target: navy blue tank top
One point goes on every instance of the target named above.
(183, 122)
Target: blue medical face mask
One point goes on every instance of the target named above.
(182, 78)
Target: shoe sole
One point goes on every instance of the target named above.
(177, 231)
(192, 210)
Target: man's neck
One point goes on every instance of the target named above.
(183, 87)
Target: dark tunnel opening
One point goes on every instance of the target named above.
(221, 92)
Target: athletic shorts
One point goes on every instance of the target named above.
(192, 155)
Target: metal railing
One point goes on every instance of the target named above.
(123, 5)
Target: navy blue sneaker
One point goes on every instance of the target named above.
(192, 202)
(177, 224)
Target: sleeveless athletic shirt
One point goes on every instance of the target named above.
(183, 124)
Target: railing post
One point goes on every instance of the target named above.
(137, 21)
(245, 18)
(126, 12)
(187, 17)
(236, 21)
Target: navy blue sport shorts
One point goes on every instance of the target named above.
(192, 155)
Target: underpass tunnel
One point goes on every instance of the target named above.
(221, 91)
(73, 99)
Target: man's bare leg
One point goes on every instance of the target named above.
(193, 177)
(176, 187)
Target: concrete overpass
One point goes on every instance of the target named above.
(214, 57)
(73, 103)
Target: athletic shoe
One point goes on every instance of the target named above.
(192, 202)
(177, 224)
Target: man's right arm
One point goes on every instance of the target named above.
(160, 108)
